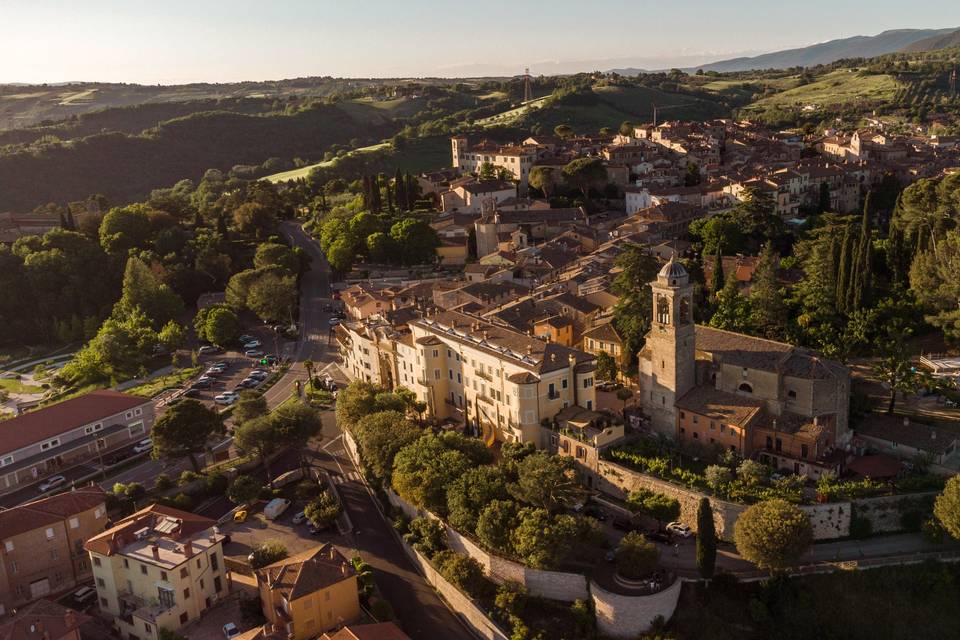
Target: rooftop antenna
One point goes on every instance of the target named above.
(527, 90)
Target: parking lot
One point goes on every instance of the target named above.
(238, 368)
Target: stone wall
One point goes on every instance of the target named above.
(618, 481)
(830, 521)
(885, 513)
(458, 602)
(620, 616)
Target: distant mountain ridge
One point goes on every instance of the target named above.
(833, 50)
(934, 43)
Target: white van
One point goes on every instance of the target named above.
(275, 508)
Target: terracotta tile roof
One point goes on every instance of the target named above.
(766, 355)
(307, 572)
(47, 511)
(42, 620)
(900, 430)
(379, 631)
(43, 424)
(727, 408)
(115, 538)
(605, 332)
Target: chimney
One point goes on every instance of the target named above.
(70, 618)
(188, 549)
(816, 421)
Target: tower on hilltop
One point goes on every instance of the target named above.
(527, 89)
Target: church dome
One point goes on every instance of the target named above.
(673, 270)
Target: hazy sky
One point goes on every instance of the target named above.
(175, 41)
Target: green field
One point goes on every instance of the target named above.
(15, 386)
(303, 172)
(155, 386)
(839, 87)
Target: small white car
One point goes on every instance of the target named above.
(227, 397)
(333, 321)
(298, 517)
(251, 344)
(230, 631)
(207, 348)
(51, 483)
(679, 529)
(253, 353)
(143, 445)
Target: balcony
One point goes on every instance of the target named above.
(486, 399)
(482, 374)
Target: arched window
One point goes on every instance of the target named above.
(663, 310)
(746, 388)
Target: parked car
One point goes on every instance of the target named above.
(251, 344)
(658, 536)
(207, 349)
(144, 445)
(227, 397)
(202, 383)
(679, 529)
(334, 321)
(253, 353)
(84, 597)
(623, 524)
(240, 516)
(248, 383)
(52, 483)
(298, 517)
(275, 508)
(213, 373)
(192, 392)
(230, 631)
(258, 375)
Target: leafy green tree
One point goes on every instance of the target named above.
(172, 336)
(273, 298)
(244, 489)
(634, 309)
(947, 507)
(184, 429)
(143, 291)
(355, 401)
(563, 131)
(626, 128)
(418, 239)
(462, 571)
(752, 472)
(274, 254)
(691, 176)
(585, 174)
(717, 279)
(543, 178)
(717, 476)
(636, 557)
(706, 540)
(542, 540)
(426, 535)
(487, 171)
(250, 405)
(773, 534)
(424, 469)
(933, 281)
(547, 481)
(341, 255)
(323, 510)
(894, 367)
(380, 436)
(268, 553)
(655, 505)
(221, 326)
(717, 233)
(495, 524)
(470, 493)
(254, 218)
(606, 367)
(768, 314)
(733, 309)
(381, 248)
(125, 228)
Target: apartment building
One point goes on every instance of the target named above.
(517, 160)
(158, 568)
(43, 552)
(47, 441)
(309, 593)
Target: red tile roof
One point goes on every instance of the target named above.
(61, 417)
(42, 513)
(122, 532)
(379, 631)
(42, 620)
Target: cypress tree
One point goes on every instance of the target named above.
(716, 278)
(767, 306)
(386, 184)
(862, 274)
(400, 187)
(412, 188)
(843, 270)
(222, 225)
(706, 540)
(63, 221)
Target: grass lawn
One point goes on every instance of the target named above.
(15, 386)
(155, 386)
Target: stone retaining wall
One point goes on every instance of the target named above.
(620, 616)
(830, 520)
(885, 513)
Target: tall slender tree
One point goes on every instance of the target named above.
(769, 312)
(844, 270)
(862, 275)
(400, 191)
(706, 540)
(716, 278)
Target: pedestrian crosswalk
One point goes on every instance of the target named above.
(349, 476)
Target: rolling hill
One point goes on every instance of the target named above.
(827, 52)
(934, 43)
